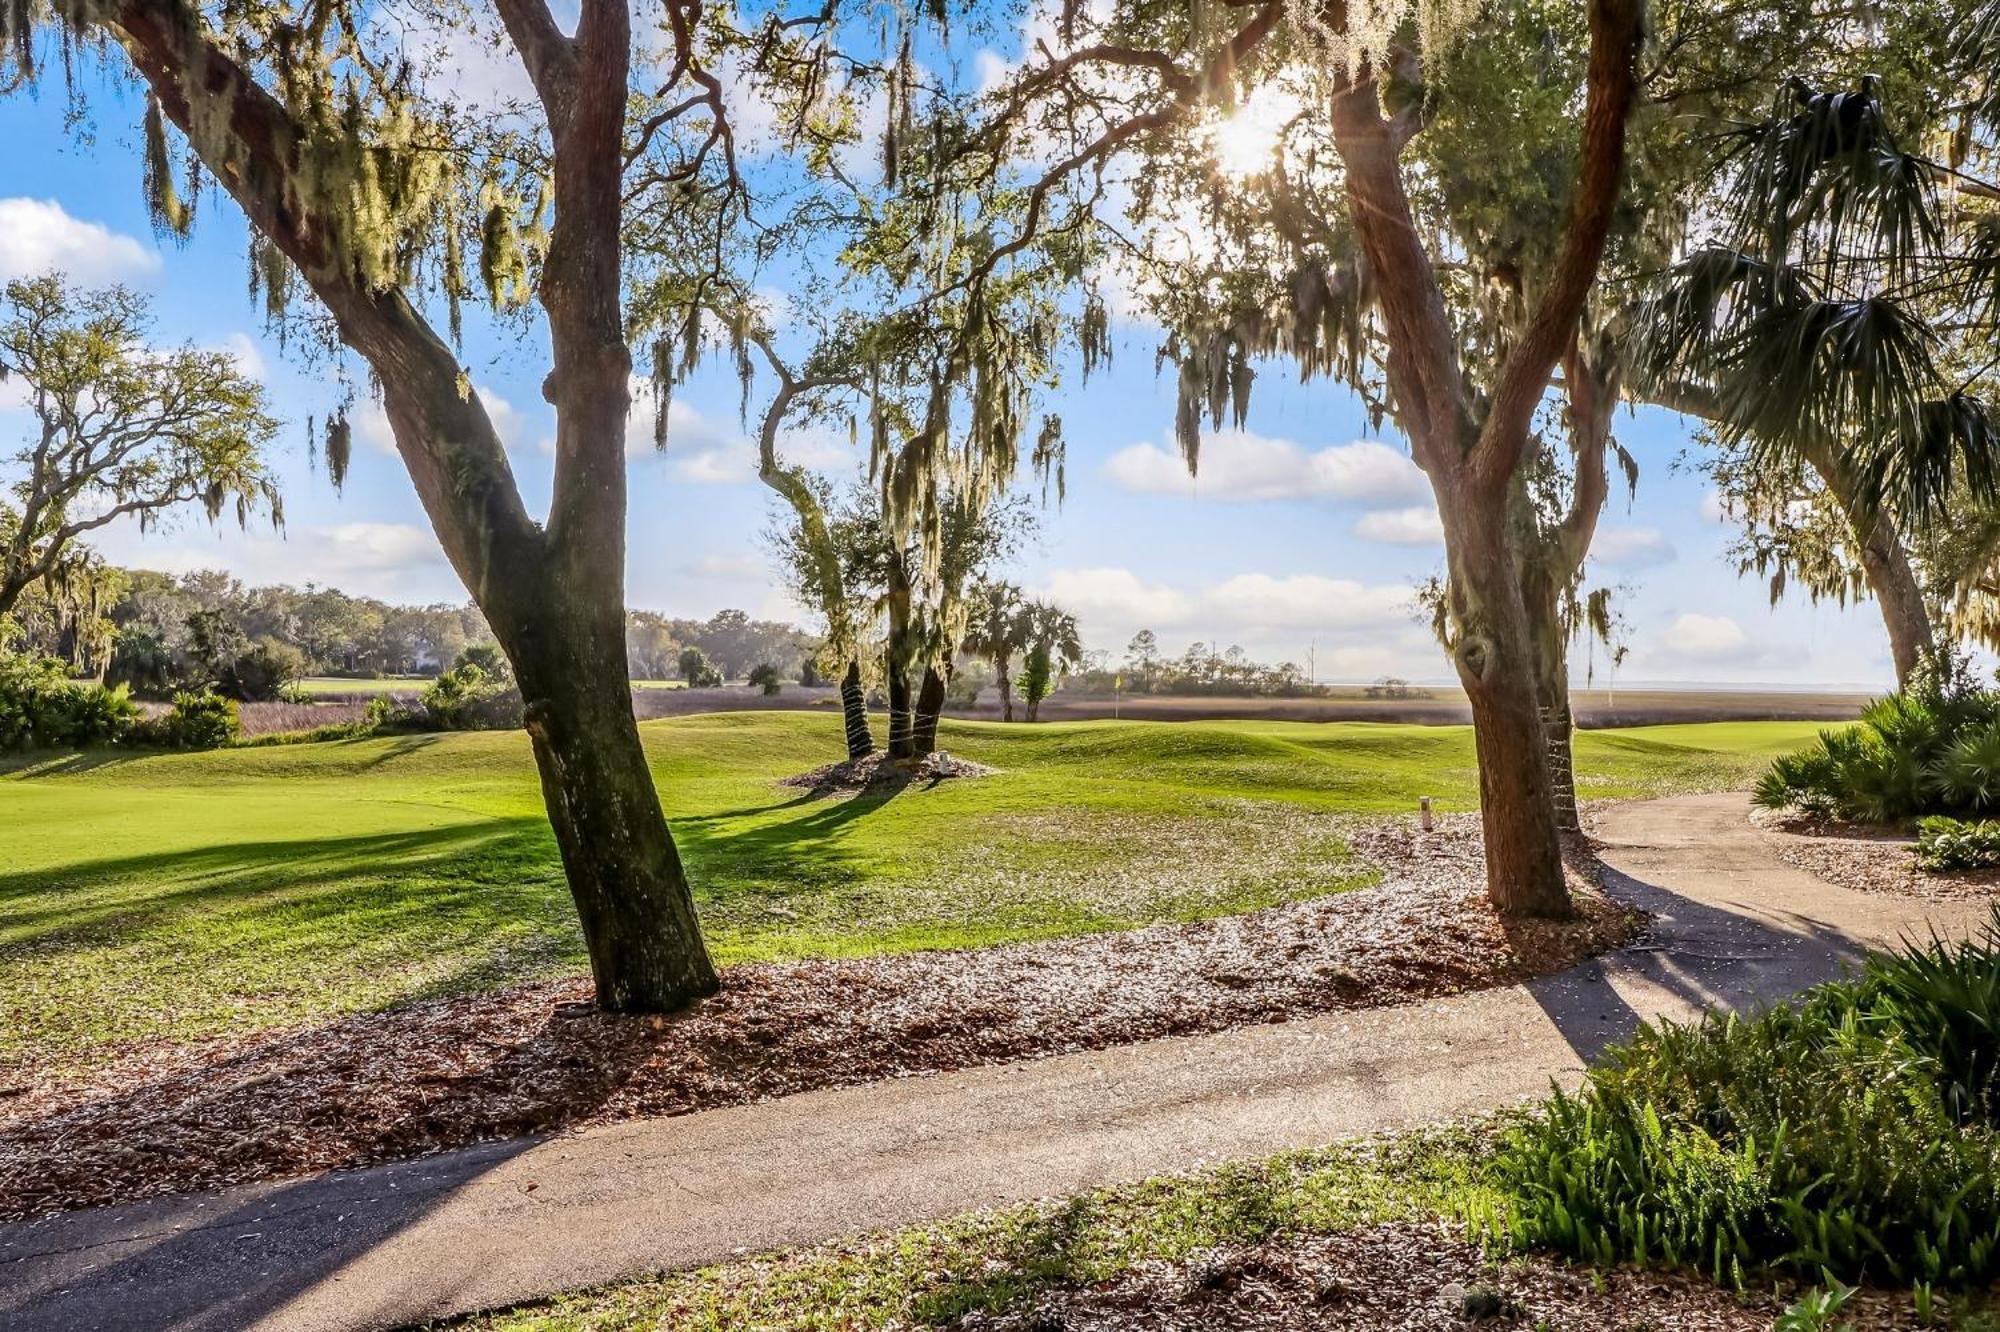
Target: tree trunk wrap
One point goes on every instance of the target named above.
(631, 890)
(902, 715)
(930, 704)
(854, 711)
(1557, 726)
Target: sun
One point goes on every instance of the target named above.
(1242, 143)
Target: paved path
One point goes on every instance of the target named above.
(382, 1247)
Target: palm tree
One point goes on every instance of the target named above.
(1828, 330)
(1054, 645)
(996, 630)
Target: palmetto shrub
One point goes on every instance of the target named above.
(41, 707)
(1851, 1136)
(466, 698)
(1932, 748)
(196, 721)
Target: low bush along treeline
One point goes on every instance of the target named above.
(42, 707)
(1854, 1137)
(1929, 752)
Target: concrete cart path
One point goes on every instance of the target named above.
(490, 1225)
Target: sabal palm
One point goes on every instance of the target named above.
(1054, 644)
(1818, 330)
(997, 629)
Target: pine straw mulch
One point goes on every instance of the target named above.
(1405, 1278)
(535, 1058)
(1867, 859)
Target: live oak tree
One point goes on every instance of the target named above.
(116, 429)
(1151, 72)
(381, 200)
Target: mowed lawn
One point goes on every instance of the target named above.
(148, 897)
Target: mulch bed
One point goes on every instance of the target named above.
(877, 770)
(535, 1058)
(1405, 1278)
(1867, 859)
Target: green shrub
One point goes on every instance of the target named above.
(42, 708)
(465, 698)
(765, 676)
(1933, 748)
(697, 669)
(196, 721)
(1945, 843)
(1852, 1136)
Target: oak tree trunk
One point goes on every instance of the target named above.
(1894, 583)
(854, 711)
(1884, 562)
(1495, 663)
(631, 890)
(930, 704)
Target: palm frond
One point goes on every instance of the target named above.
(1829, 171)
(1949, 452)
(1825, 371)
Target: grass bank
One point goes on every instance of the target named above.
(177, 896)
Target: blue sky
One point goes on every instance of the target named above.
(1305, 533)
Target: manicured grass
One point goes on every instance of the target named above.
(178, 896)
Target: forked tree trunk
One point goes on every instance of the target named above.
(930, 705)
(554, 593)
(854, 711)
(1473, 452)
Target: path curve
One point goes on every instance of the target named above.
(491, 1225)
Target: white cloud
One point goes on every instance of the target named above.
(1632, 547)
(1417, 525)
(708, 453)
(38, 235)
(245, 352)
(1246, 604)
(1714, 508)
(1240, 465)
(395, 561)
(1694, 638)
(371, 424)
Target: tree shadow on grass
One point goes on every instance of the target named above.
(44, 905)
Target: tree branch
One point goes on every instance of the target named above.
(1613, 82)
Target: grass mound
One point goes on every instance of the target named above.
(1854, 1136)
(149, 897)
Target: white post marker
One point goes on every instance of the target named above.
(1424, 810)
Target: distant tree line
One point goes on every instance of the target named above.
(1203, 668)
(159, 633)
